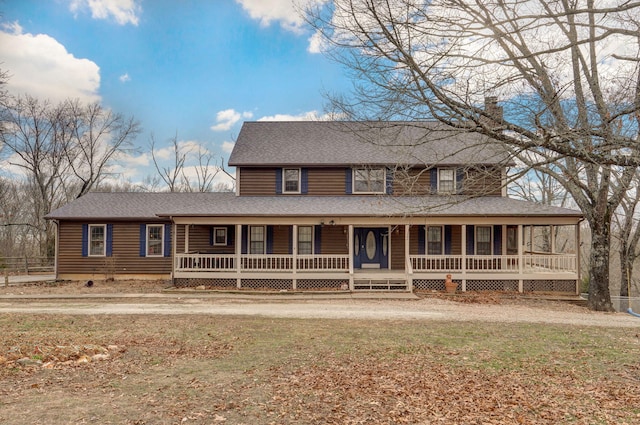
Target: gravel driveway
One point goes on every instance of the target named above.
(353, 309)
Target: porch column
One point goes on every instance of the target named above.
(520, 241)
(294, 252)
(552, 237)
(463, 241)
(174, 248)
(578, 267)
(407, 263)
(238, 267)
(350, 258)
(186, 238)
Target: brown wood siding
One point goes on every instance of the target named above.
(126, 252)
(334, 240)
(257, 181)
(411, 182)
(327, 181)
(397, 249)
(200, 240)
(281, 236)
(180, 238)
(456, 240)
(483, 181)
(413, 242)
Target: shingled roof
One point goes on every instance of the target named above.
(269, 143)
(146, 206)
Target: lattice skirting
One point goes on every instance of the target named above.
(432, 284)
(321, 284)
(549, 286)
(492, 285)
(267, 284)
(213, 283)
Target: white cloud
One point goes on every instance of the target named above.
(228, 118)
(227, 146)
(122, 11)
(40, 66)
(317, 43)
(287, 12)
(305, 116)
(124, 78)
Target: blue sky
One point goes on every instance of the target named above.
(192, 67)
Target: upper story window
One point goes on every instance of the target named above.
(446, 180)
(97, 239)
(368, 180)
(155, 240)
(291, 180)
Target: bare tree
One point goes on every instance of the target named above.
(566, 72)
(627, 231)
(171, 174)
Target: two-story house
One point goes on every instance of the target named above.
(334, 205)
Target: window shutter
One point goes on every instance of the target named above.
(447, 240)
(269, 241)
(231, 232)
(109, 241)
(497, 239)
(433, 180)
(167, 240)
(459, 179)
(85, 240)
(245, 236)
(143, 240)
(211, 235)
(278, 181)
(304, 181)
(348, 181)
(470, 240)
(421, 239)
(317, 242)
(389, 182)
(290, 240)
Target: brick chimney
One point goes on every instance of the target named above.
(493, 111)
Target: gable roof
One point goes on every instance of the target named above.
(151, 206)
(278, 143)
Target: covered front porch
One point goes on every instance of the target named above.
(334, 253)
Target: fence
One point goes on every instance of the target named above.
(27, 264)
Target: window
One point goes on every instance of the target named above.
(291, 180)
(155, 234)
(483, 240)
(446, 180)
(434, 240)
(219, 236)
(305, 240)
(97, 239)
(368, 180)
(256, 240)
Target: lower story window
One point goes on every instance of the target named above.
(219, 236)
(434, 240)
(154, 240)
(483, 240)
(305, 240)
(97, 240)
(256, 240)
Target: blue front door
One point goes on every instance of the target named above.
(370, 247)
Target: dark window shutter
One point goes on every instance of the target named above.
(470, 240)
(231, 232)
(447, 240)
(389, 182)
(109, 247)
(304, 181)
(317, 241)
(348, 181)
(433, 180)
(290, 240)
(85, 240)
(211, 232)
(167, 240)
(497, 239)
(143, 240)
(459, 180)
(245, 236)
(269, 239)
(278, 181)
(421, 239)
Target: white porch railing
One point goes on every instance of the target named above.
(549, 263)
(252, 262)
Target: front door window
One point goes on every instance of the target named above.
(370, 245)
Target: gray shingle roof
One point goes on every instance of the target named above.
(127, 206)
(361, 143)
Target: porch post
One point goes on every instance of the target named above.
(294, 252)
(463, 240)
(520, 241)
(578, 267)
(552, 236)
(174, 249)
(407, 263)
(238, 267)
(186, 238)
(351, 286)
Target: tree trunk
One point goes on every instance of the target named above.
(626, 270)
(599, 296)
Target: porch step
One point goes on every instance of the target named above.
(380, 284)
